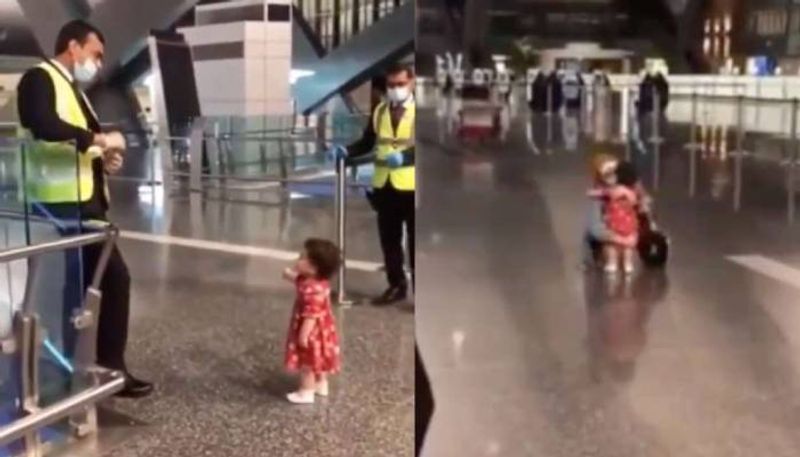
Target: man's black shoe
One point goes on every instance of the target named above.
(392, 295)
(135, 388)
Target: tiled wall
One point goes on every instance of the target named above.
(243, 69)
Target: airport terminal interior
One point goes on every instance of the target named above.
(231, 113)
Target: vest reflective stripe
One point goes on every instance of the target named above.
(55, 172)
(394, 142)
(389, 141)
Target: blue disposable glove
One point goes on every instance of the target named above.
(394, 160)
(337, 152)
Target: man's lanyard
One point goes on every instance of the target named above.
(400, 109)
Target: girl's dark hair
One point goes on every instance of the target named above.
(324, 255)
(627, 174)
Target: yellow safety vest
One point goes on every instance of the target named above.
(390, 140)
(54, 172)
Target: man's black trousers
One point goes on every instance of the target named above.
(112, 329)
(395, 212)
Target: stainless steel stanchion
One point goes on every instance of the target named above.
(321, 131)
(85, 321)
(693, 127)
(791, 171)
(737, 186)
(692, 172)
(549, 116)
(196, 156)
(655, 139)
(341, 223)
(625, 115)
(28, 337)
(655, 134)
(625, 121)
(213, 152)
(27, 362)
(693, 147)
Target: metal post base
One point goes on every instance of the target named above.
(345, 303)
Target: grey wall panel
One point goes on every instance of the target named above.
(218, 51)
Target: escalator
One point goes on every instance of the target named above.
(307, 50)
(354, 62)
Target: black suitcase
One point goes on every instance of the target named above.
(653, 245)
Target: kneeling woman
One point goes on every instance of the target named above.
(598, 233)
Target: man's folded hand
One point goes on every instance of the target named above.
(112, 161)
(115, 141)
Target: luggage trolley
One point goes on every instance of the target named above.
(479, 117)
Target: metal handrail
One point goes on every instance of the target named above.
(77, 241)
(60, 410)
(265, 179)
(734, 98)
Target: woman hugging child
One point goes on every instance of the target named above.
(617, 200)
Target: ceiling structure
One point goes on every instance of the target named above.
(16, 37)
(28, 27)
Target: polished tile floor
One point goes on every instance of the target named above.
(209, 327)
(531, 356)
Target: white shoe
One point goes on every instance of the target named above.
(301, 397)
(629, 269)
(610, 268)
(322, 389)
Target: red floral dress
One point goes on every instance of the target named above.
(322, 354)
(621, 218)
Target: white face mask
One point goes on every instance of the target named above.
(398, 94)
(86, 71)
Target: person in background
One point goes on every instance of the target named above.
(57, 115)
(573, 88)
(390, 136)
(662, 88)
(555, 99)
(539, 93)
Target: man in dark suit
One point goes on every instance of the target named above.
(57, 115)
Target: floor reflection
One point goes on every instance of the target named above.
(618, 310)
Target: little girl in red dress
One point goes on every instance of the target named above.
(312, 345)
(619, 212)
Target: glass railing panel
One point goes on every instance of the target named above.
(13, 229)
(62, 199)
(12, 278)
(267, 146)
(12, 289)
(249, 145)
(12, 286)
(36, 185)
